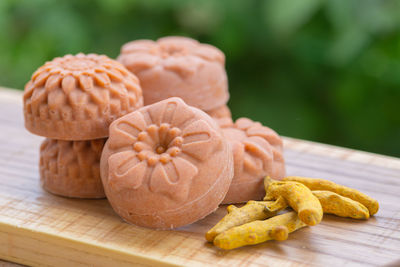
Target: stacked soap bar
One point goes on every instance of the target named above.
(72, 101)
(183, 67)
(180, 67)
(167, 163)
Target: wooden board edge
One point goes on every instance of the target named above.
(25, 246)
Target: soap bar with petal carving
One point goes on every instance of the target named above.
(220, 112)
(71, 168)
(178, 66)
(77, 97)
(257, 152)
(166, 165)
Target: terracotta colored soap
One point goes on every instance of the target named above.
(220, 112)
(72, 168)
(178, 66)
(257, 152)
(166, 165)
(77, 97)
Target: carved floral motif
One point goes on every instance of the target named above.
(159, 147)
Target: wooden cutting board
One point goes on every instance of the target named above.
(37, 228)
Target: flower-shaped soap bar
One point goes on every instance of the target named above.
(77, 97)
(72, 168)
(221, 112)
(166, 165)
(178, 66)
(257, 152)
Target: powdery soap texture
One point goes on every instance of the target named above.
(166, 165)
(220, 112)
(181, 67)
(77, 97)
(71, 168)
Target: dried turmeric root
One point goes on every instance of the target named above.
(253, 210)
(321, 184)
(275, 228)
(341, 206)
(298, 196)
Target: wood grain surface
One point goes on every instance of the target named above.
(37, 228)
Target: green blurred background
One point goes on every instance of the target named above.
(322, 70)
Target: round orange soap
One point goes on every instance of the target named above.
(178, 66)
(71, 168)
(166, 165)
(257, 152)
(77, 97)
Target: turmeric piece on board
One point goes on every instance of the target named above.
(298, 196)
(253, 210)
(341, 206)
(321, 184)
(275, 228)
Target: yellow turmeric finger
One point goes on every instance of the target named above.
(275, 228)
(341, 206)
(299, 197)
(275, 206)
(267, 181)
(279, 233)
(253, 210)
(321, 184)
